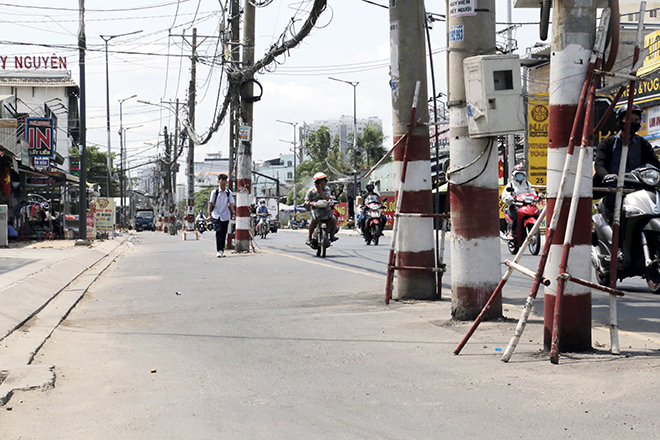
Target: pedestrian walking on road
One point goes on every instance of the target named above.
(222, 208)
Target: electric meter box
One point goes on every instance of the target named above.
(493, 91)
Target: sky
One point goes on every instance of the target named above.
(350, 42)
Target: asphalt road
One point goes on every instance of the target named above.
(172, 343)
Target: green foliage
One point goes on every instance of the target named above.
(369, 147)
(97, 170)
(202, 199)
(371, 142)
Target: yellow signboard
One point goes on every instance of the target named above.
(652, 42)
(537, 136)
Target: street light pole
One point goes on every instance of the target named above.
(295, 189)
(355, 185)
(107, 38)
(171, 161)
(122, 143)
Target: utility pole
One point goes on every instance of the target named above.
(190, 171)
(573, 29)
(234, 58)
(167, 181)
(474, 194)
(82, 47)
(295, 155)
(408, 67)
(244, 153)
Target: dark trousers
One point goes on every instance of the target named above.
(513, 213)
(220, 234)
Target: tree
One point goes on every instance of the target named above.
(371, 142)
(97, 169)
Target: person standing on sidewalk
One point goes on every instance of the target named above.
(222, 208)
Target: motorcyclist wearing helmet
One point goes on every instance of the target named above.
(518, 182)
(608, 154)
(369, 197)
(262, 211)
(320, 191)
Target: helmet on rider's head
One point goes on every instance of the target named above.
(518, 173)
(370, 186)
(622, 111)
(262, 202)
(320, 176)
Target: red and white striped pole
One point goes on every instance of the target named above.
(474, 197)
(572, 43)
(244, 151)
(415, 241)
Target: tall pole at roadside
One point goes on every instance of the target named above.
(474, 194)
(295, 155)
(355, 184)
(244, 153)
(190, 170)
(573, 36)
(407, 68)
(82, 46)
(107, 38)
(234, 59)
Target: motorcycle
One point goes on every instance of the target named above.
(639, 238)
(202, 225)
(298, 224)
(321, 235)
(263, 226)
(371, 230)
(528, 214)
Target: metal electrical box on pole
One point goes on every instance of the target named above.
(493, 91)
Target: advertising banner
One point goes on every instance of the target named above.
(40, 136)
(537, 134)
(342, 209)
(104, 214)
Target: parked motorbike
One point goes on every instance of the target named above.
(371, 230)
(321, 235)
(263, 226)
(528, 214)
(298, 224)
(202, 225)
(639, 237)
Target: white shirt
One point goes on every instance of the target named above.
(221, 204)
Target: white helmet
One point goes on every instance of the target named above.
(319, 176)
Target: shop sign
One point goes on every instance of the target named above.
(104, 213)
(537, 132)
(644, 91)
(39, 133)
(41, 163)
(32, 62)
(653, 123)
(74, 165)
(39, 181)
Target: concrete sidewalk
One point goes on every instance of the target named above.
(33, 273)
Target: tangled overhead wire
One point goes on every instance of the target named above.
(237, 77)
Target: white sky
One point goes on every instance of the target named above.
(351, 42)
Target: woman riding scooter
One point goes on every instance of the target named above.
(518, 182)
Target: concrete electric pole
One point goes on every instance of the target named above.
(573, 36)
(190, 170)
(475, 252)
(408, 67)
(244, 153)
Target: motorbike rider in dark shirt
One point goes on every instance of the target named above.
(369, 197)
(608, 155)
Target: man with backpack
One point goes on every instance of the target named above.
(222, 208)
